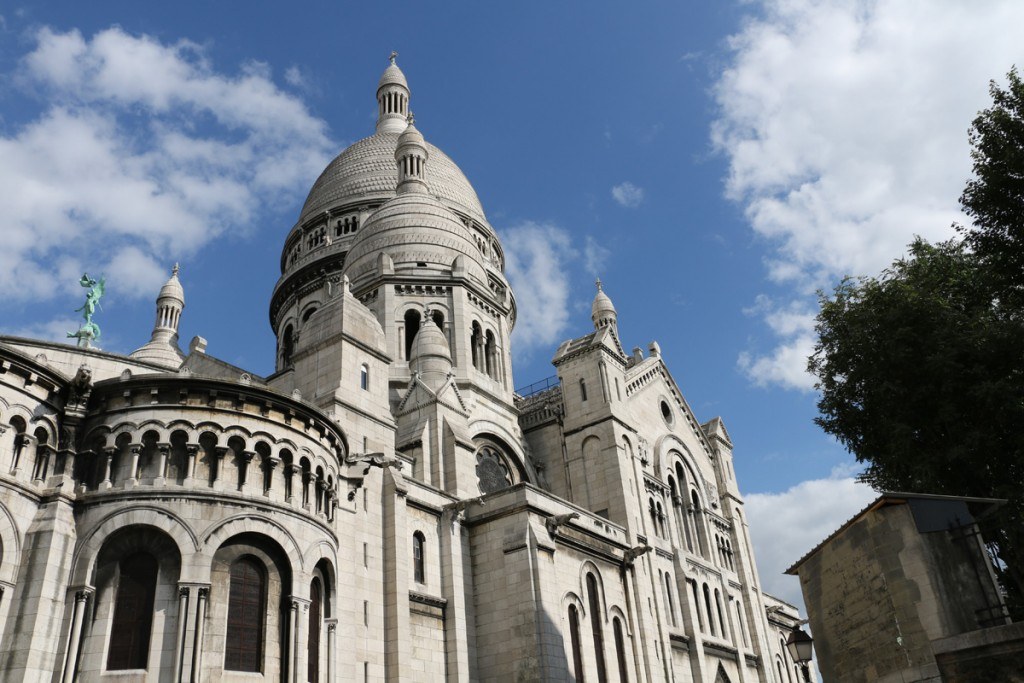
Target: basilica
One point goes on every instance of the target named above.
(385, 506)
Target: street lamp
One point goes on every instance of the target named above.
(800, 647)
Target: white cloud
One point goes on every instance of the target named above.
(628, 195)
(844, 123)
(594, 256)
(785, 526)
(786, 365)
(537, 256)
(143, 154)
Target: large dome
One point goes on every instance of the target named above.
(367, 170)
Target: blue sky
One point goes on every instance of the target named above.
(714, 163)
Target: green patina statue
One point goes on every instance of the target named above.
(89, 331)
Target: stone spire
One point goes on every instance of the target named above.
(163, 345)
(411, 157)
(430, 355)
(392, 99)
(602, 312)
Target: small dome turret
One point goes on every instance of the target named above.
(411, 156)
(163, 344)
(392, 99)
(602, 312)
(430, 355)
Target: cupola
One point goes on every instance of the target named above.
(163, 344)
(602, 312)
(411, 157)
(392, 99)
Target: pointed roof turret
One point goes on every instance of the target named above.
(163, 344)
(602, 312)
(430, 355)
(392, 99)
(411, 156)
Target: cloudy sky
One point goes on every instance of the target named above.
(714, 163)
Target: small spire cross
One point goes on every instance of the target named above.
(174, 271)
(598, 283)
(394, 56)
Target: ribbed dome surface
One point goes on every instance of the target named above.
(391, 75)
(410, 229)
(367, 170)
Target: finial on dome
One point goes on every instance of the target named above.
(392, 98)
(598, 283)
(411, 118)
(175, 269)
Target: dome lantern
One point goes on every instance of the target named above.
(163, 344)
(392, 99)
(411, 156)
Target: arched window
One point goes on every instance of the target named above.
(739, 623)
(364, 377)
(476, 345)
(491, 355)
(707, 605)
(698, 522)
(574, 635)
(620, 649)
(583, 390)
(669, 601)
(133, 613)
(696, 603)
(287, 346)
(412, 326)
(308, 313)
(419, 543)
(243, 648)
(316, 601)
(595, 626)
(721, 618)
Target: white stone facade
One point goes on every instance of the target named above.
(384, 506)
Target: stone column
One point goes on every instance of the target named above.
(301, 658)
(218, 476)
(190, 468)
(163, 449)
(397, 636)
(290, 661)
(22, 442)
(108, 465)
(332, 646)
(197, 648)
(321, 495)
(307, 477)
(71, 661)
(43, 455)
(133, 473)
(179, 643)
(290, 475)
(459, 620)
(271, 465)
(247, 458)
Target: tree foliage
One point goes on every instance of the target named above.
(994, 198)
(921, 369)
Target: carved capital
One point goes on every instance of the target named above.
(247, 456)
(82, 595)
(192, 449)
(204, 592)
(183, 591)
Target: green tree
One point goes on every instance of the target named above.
(920, 374)
(994, 198)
